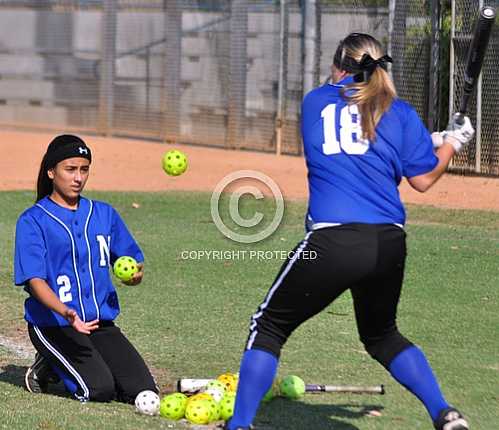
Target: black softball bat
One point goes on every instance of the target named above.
(349, 389)
(476, 54)
(191, 386)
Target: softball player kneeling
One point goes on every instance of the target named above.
(64, 247)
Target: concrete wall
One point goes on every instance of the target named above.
(28, 76)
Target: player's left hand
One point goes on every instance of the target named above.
(85, 327)
(459, 134)
(137, 277)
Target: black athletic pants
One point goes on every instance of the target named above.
(101, 366)
(366, 259)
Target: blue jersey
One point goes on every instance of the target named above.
(72, 250)
(352, 179)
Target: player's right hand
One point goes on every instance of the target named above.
(79, 325)
(137, 277)
(459, 135)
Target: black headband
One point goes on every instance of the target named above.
(362, 70)
(369, 64)
(64, 147)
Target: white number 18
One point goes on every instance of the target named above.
(350, 139)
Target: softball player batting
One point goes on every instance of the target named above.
(64, 246)
(360, 140)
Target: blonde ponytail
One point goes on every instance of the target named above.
(373, 98)
(375, 94)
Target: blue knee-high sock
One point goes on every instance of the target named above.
(257, 372)
(411, 369)
(68, 381)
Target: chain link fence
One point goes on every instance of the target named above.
(410, 48)
(482, 155)
(226, 73)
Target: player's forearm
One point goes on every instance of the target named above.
(43, 293)
(444, 155)
(424, 182)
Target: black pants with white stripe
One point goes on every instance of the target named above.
(101, 366)
(366, 259)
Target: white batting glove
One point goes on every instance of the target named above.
(461, 134)
(437, 138)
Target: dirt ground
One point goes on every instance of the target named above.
(134, 165)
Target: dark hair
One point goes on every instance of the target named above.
(62, 147)
(44, 186)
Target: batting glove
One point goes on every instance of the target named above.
(461, 134)
(438, 138)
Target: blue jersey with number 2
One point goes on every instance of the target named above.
(72, 251)
(352, 179)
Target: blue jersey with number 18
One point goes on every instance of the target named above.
(352, 179)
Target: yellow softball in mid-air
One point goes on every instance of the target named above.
(174, 162)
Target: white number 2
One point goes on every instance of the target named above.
(65, 291)
(350, 139)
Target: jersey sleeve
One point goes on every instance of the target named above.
(309, 117)
(122, 242)
(418, 156)
(30, 251)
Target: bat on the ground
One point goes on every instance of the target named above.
(476, 54)
(191, 386)
(349, 389)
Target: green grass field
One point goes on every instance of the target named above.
(189, 318)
